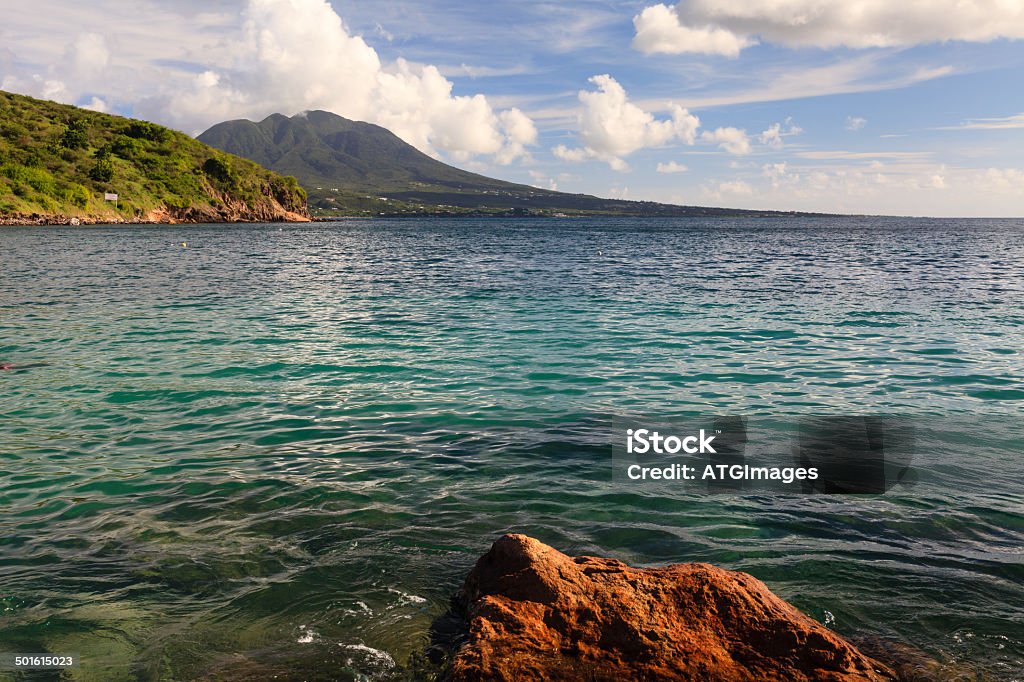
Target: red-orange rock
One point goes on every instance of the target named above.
(537, 614)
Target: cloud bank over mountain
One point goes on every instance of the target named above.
(289, 56)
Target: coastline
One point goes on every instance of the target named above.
(152, 218)
(166, 218)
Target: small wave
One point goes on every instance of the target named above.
(360, 608)
(307, 635)
(370, 655)
(407, 598)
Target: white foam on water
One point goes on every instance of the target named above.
(374, 656)
(407, 598)
(360, 608)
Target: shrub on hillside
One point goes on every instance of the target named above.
(76, 195)
(36, 178)
(75, 135)
(125, 147)
(176, 203)
(219, 170)
(103, 171)
(144, 130)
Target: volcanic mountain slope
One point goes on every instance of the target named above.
(354, 167)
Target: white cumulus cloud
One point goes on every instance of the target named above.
(660, 29)
(96, 104)
(671, 167)
(1003, 180)
(855, 123)
(732, 140)
(542, 181)
(611, 127)
(725, 27)
(728, 190)
(81, 67)
(519, 131)
(774, 134)
(573, 155)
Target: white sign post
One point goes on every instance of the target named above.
(111, 196)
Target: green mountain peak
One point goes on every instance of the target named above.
(351, 167)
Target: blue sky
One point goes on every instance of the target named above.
(863, 106)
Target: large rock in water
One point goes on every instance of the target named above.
(537, 614)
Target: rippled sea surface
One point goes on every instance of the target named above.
(286, 445)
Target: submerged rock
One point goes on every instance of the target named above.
(537, 614)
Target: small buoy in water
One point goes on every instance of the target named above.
(184, 245)
(6, 365)
(600, 253)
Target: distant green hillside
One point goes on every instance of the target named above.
(57, 162)
(356, 168)
(327, 150)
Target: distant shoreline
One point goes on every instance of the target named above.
(34, 220)
(40, 220)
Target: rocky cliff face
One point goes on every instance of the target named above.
(537, 614)
(225, 213)
(228, 209)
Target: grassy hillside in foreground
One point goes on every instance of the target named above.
(57, 162)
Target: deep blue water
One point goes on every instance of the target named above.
(295, 440)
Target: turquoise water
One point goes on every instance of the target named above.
(286, 445)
